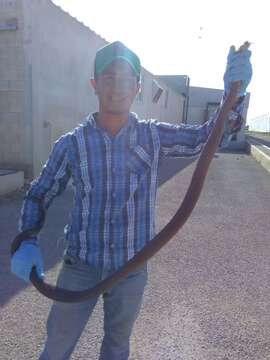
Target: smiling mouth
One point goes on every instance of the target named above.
(117, 99)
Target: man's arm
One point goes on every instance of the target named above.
(187, 140)
(51, 182)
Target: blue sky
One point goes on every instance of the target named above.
(186, 37)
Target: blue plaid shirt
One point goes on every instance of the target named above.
(115, 184)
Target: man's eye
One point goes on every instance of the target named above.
(107, 78)
(124, 81)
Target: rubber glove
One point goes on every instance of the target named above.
(27, 256)
(238, 68)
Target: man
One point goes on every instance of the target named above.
(113, 160)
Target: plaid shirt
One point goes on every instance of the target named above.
(115, 184)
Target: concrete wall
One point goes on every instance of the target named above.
(146, 108)
(61, 53)
(15, 125)
(45, 68)
(198, 99)
(197, 112)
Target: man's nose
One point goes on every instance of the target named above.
(118, 84)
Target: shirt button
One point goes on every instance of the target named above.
(114, 195)
(112, 221)
(112, 246)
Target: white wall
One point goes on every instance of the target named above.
(148, 109)
(45, 71)
(61, 52)
(198, 99)
(15, 124)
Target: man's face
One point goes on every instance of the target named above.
(116, 88)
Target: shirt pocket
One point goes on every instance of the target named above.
(139, 160)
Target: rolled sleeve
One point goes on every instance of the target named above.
(183, 140)
(51, 182)
(188, 140)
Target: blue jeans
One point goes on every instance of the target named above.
(121, 307)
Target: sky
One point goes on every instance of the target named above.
(189, 37)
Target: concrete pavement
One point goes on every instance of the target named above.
(208, 292)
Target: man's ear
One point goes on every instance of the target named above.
(94, 84)
(138, 87)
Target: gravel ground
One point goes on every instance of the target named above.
(209, 288)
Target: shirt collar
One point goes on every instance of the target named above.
(132, 120)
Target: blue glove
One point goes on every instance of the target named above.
(27, 256)
(238, 68)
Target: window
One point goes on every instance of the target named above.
(156, 91)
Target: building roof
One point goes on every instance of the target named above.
(178, 83)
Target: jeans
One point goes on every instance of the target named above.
(121, 305)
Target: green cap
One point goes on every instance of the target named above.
(116, 50)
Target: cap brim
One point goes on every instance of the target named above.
(121, 57)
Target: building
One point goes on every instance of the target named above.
(179, 84)
(200, 104)
(46, 62)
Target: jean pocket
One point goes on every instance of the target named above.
(139, 271)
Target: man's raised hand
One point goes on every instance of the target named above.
(238, 68)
